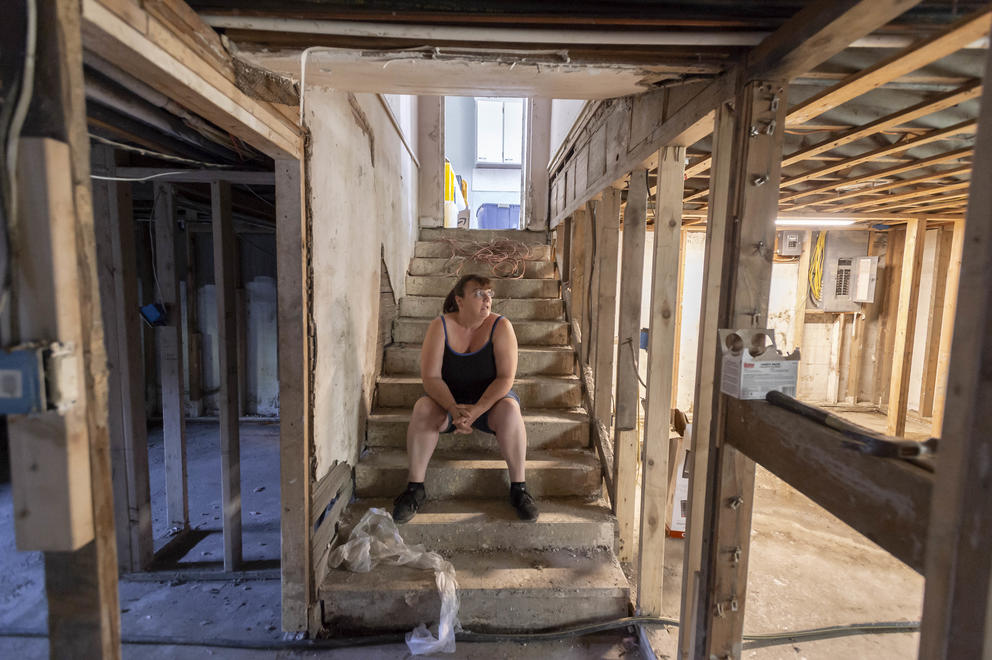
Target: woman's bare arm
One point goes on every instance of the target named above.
(431, 357)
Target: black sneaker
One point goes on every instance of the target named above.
(406, 505)
(524, 503)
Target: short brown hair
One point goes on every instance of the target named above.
(450, 306)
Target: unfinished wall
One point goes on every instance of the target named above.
(363, 197)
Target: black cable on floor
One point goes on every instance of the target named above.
(756, 640)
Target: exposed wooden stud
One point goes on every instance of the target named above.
(902, 352)
(295, 430)
(941, 271)
(957, 608)
(802, 297)
(430, 150)
(889, 304)
(194, 339)
(114, 222)
(744, 304)
(607, 253)
(169, 340)
(578, 280)
(857, 339)
(888, 200)
(661, 354)
(951, 296)
(627, 396)
(836, 350)
(225, 254)
(880, 189)
(676, 354)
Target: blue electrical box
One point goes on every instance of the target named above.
(22, 381)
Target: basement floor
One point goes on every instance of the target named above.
(807, 569)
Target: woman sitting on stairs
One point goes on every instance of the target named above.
(467, 363)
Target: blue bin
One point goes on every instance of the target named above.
(498, 216)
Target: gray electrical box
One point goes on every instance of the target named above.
(790, 243)
(865, 275)
(842, 250)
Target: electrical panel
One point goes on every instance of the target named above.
(865, 275)
(790, 243)
(842, 251)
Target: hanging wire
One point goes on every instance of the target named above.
(815, 276)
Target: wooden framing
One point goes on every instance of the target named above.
(951, 288)
(114, 222)
(941, 271)
(902, 352)
(746, 277)
(295, 387)
(184, 59)
(430, 151)
(661, 354)
(225, 247)
(957, 608)
(627, 397)
(169, 340)
(607, 219)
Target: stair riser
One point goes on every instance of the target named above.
(406, 360)
(481, 610)
(441, 250)
(548, 333)
(514, 309)
(448, 481)
(532, 269)
(484, 536)
(544, 394)
(483, 235)
(540, 435)
(523, 288)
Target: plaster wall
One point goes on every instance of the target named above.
(564, 112)
(363, 198)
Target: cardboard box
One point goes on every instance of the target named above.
(752, 367)
(675, 525)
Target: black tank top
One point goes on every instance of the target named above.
(468, 375)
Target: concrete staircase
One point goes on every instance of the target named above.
(513, 575)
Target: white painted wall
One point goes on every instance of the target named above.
(563, 115)
(361, 210)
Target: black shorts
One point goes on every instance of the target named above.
(482, 422)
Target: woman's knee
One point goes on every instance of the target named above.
(505, 414)
(427, 414)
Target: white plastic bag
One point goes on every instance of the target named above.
(375, 540)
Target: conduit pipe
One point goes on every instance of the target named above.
(490, 35)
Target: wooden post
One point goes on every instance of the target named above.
(957, 608)
(607, 253)
(430, 151)
(902, 353)
(947, 328)
(565, 251)
(169, 339)
(836, 350)
(60, 459)
(802, 296)
(744, 291)
(295, 430)
(706, 392)
(225, 248)
(854, 357)
(628, 397)
(679, 290)
(538, 146)
(194, 340)
(578, 278)
(113, 219)
(889, 314)
(942, 263)
(241, 327)
(661, 354)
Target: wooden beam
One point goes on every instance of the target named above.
(113, 217)
(628, 397)
(677, 352)
(887, 500)
(746, 276)
(194, 338)
(153, 50)
(225, 247)
(888, 200)
(169, 340)
(902, 352)
(295, 415)
(707, 391)
(824, 204)
(579, 281)
(836, 350)
(607, 219)
(941, 271)
(802, 296)
(948, 316)
(957, 608)
(661, 355)
(961, 128)
(910, 59)
(430, 151)
(855, 356)
(538, 146)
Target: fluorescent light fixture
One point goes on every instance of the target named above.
(814, 222)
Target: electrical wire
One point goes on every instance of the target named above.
(756, 639)
(157, 154)
(815, 276)
(100, 177)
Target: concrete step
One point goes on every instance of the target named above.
(512, 591)
(441, 250)
(407, 330)
(430, 266)
(483, 235)
(534, 391)
(515, 309)
(531, 360)
(438, 285)
(382, 472)
(471, 525)
(546, 429)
